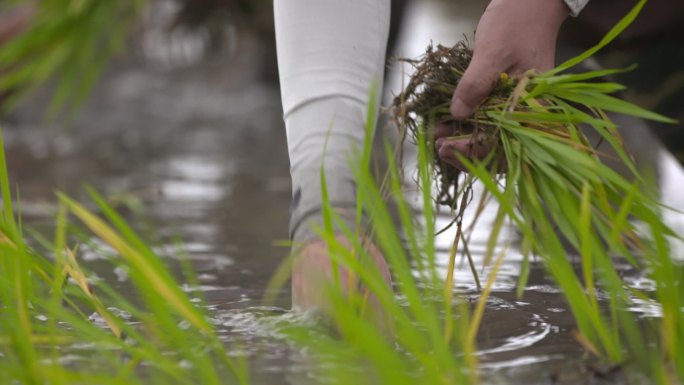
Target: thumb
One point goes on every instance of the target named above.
(475, 85)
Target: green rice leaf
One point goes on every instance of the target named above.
(607, 39)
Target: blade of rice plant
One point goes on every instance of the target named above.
(157, 276)
(607, 39)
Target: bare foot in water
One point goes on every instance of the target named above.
(312, 279)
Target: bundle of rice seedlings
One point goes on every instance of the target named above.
(562, 106)
(549, 180)
(535, 125)
(426, 99)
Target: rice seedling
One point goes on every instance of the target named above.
(411, 347)
(556, 190)
(419, 331)
(50, 304)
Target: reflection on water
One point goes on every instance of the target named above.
(202, 148)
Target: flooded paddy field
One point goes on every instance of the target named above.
(196, 152)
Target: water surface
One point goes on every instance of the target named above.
(196, 150)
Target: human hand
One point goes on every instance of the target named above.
(513, 36)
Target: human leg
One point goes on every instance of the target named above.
(331, 58)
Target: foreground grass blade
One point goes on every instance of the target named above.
(158, 278)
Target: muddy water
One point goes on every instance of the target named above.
(195, 148)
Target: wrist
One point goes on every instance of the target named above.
(551, 13)
(554, 11)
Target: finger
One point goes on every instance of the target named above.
(444, 129)
(448, 149)
(469, 148)
(475, 85)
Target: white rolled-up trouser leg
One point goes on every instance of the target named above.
(331, 57)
